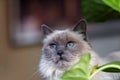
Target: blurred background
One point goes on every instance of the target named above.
(20, 33)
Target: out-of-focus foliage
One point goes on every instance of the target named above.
(82, 71)
(115, 4)
(97, 11)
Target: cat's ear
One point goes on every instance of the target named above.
(81, 28)
(46, 30)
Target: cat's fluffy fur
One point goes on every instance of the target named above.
(51, 66)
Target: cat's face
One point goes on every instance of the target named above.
(62, 49)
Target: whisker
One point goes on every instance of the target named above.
(33, 74)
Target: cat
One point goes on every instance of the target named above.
(63, 48)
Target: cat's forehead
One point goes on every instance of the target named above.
(62, 36)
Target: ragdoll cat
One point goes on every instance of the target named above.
(63, 48)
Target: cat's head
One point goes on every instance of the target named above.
(63, 48)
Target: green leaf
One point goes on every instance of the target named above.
(93, 69)
(115, 4)
(97, 11)
(112, 67)
(79, 71)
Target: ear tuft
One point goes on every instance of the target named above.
(81, 28)
(46, 30)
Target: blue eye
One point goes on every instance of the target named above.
(53, 46)
(70, 44)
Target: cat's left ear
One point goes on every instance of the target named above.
(46, 30)
(81, 28)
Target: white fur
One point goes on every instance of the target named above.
(50, 72)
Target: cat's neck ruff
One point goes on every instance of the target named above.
(49, 72)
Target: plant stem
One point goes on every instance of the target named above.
(104, 67)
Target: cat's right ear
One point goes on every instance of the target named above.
(81, 28)
(46, 30)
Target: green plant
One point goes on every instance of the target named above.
(115, 4)
(98, 11)
(81, 70)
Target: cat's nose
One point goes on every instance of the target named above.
(60, 52)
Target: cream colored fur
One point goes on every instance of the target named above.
(50, 72)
